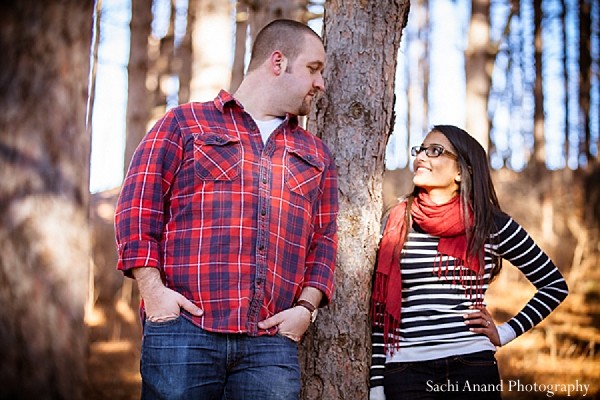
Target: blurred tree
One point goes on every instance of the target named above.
(212, 37)
(138, 104)
(182, 66)
(418, 89)
(537, 164)
(478, 64)
(264, 11)
(585, 77)
(160, 53)
(239, 54)
(44, 170)
(565, 70)
(355, 118)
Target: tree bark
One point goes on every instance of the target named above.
(239, 55)
(138, 104)
(44, 170)
(539, 147)
(355, 118)
(182, 60)
(478, 65)
(565, 77)
(211, 41)
(585, 77)
(160, 55)
(262, 12)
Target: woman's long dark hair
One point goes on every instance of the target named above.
(476, 191)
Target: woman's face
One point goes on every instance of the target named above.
(438, 176)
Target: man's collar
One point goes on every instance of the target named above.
(225, 98)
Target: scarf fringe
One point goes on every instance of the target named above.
(473, 291)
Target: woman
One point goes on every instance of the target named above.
(433, 337)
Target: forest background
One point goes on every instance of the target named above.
(522, 77)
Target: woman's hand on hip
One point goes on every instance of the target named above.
(480, 321)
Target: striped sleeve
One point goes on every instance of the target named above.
(377, 357)
(514, 244)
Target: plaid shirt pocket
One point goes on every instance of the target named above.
(217, 156)
(303, 173)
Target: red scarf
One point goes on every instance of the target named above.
(444, 221)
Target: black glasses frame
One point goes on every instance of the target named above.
(433, 151)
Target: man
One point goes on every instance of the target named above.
(227, 220)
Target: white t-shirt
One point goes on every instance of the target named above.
(266, 127)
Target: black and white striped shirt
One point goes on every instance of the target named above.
(432, 324)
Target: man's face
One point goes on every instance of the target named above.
(303, 78)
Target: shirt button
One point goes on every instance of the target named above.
(263, 212)
(264, 180)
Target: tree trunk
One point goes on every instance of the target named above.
(182, 59)
(478, 65)
(239, 55)
(44, 170)
(585, 75)
(160, 55)
(355, 118)
(138, 104)
(418, 73)
(424, 66)
(565, 77)
(539, 154)
(264, 11)
(211, 40)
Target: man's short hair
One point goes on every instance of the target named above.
(285, 35)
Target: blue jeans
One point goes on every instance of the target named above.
(182, 361)
(468, 376)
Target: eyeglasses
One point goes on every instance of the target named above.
(433, 151)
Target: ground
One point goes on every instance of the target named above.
(114, 351)
(563, 350)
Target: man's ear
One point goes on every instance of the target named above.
(278, 62)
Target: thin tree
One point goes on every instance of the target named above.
(264, 11)
(478, 64)
(138, 104)
(183, 57)
(539, 149)
(585, 75)
(241, 32)
(44, 159)
(211, 43)
(355, 118)
(418, 70)
(423, 63)
(160, 53)
(565, 76)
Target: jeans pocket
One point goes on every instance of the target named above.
(286, 339)
(481, 359)
(162, 322)
(396, 367)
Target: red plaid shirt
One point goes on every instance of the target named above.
(237, 227)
